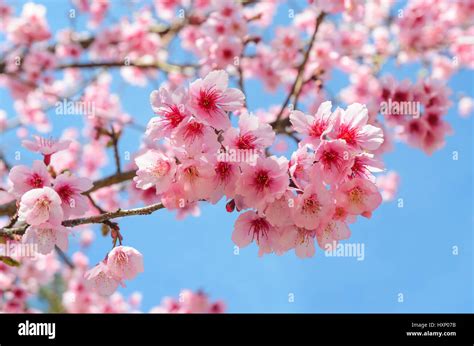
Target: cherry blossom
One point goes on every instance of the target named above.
(24, 178)
(41, 205)
(70, 189)
(155, 170)
(264, 182)
(359, 196)
(101, 280)
(47, 236)
(211, 99)
(45, 146)
(125, 262)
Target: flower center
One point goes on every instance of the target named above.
(121, 258)
(174, 115)
(44, 202)
(347, 134)
(331, 157)
(36, 180)
(262, 180)
(161, 168)
(191, 172)
(246, 141)
(227, 53)
(208, 99)
(317, 129)
(193, 130)
(65, 192)
(356, 195)
(259, 227)
(223, 170)
(311, 205)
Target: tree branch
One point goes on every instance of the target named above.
(91, 219)
(296, 87)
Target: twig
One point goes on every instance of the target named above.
(114, 137)
(64, 257)
(296, 87)
(91, 219)
(113, 215)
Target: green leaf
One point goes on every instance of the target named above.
(9, 261)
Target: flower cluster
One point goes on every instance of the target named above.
(327, 182)
(44, 275)
(122, 263)
(416, 111)
(330, 183)
(46, 198)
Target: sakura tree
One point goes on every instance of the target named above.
(296, 173)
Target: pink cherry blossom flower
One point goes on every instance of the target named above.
(278, 213)
(24, 178)
(171, 110)
(225, 180)
(196, 137)
(45, 146)
(331, 233)
(359, 196)
(312, 126)
(313, 208)
(264, 182)
(300, 163)
(249, 227)
(101, 280)
(211, 99)
(70, 189)
(388, 185)
(39, 206)
(225, 51)
(302, 240)
(31, 26)
(251, 135)
(46, 237)
(351, 126)
(364, 165)
(334, 160)
(155, 169)
(196, 176)
(125, 262)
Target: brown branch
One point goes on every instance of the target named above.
(8, 208)
(113, 215)
(114, 137)
(91, 219)
(111, 180)
(164, 66)
(64, 257)
(296, 87)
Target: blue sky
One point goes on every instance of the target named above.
(408, 250)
